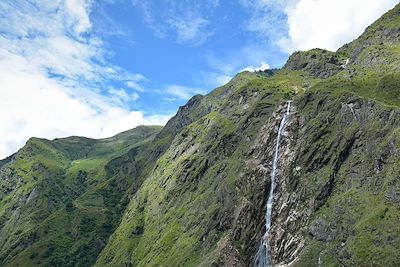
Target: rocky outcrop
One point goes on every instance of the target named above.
(318, 63)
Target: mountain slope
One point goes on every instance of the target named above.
(204, 203)
(187, 203)
(60, 199)
(194, 192)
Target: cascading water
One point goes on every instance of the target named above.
(263, 258)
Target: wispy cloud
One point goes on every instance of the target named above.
(134, 82)
(178, 92)
(185, 20)
(262, 67)
(121, 97)
(55, 79)
(247, 57)
(189, 29)
(210, 79)
(109, 26)
(267, 18)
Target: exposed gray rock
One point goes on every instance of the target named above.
(320, 230)
(317, 62)
(393, 194)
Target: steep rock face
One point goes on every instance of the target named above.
(354, 170)
(337, 141)
(194, 193)
(249, 224)
(206, 196)
(188, 204)
(330, 150)
(6, 160)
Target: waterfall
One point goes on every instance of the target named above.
(263, 258)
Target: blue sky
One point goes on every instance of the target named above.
(96, 68)
(182, 47)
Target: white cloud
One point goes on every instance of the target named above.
(78, 13)
(189, 28)
(180, 92)
(211, 79)
(133, 82)
(309, 24)
(264, 66)
(134, 85)
(330, 24)
(37, 106)
(120, 96)
(185, 20)
(267, 18)
(252, 57)
(54, 78)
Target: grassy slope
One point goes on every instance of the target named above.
(186, 206)
(177, 217)
(58, 205)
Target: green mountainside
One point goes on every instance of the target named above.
(61, 199)
(193, 193)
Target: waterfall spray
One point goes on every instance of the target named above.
(263, 258)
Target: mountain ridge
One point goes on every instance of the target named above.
(193, 193)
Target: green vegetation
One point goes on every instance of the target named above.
(59, 204)
(193, 192)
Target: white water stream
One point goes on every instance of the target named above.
(263, 258)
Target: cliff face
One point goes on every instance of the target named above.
(194, 193)
(188, 205)
(338, 170)
(206, 197)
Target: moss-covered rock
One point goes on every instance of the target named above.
(194, 192)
